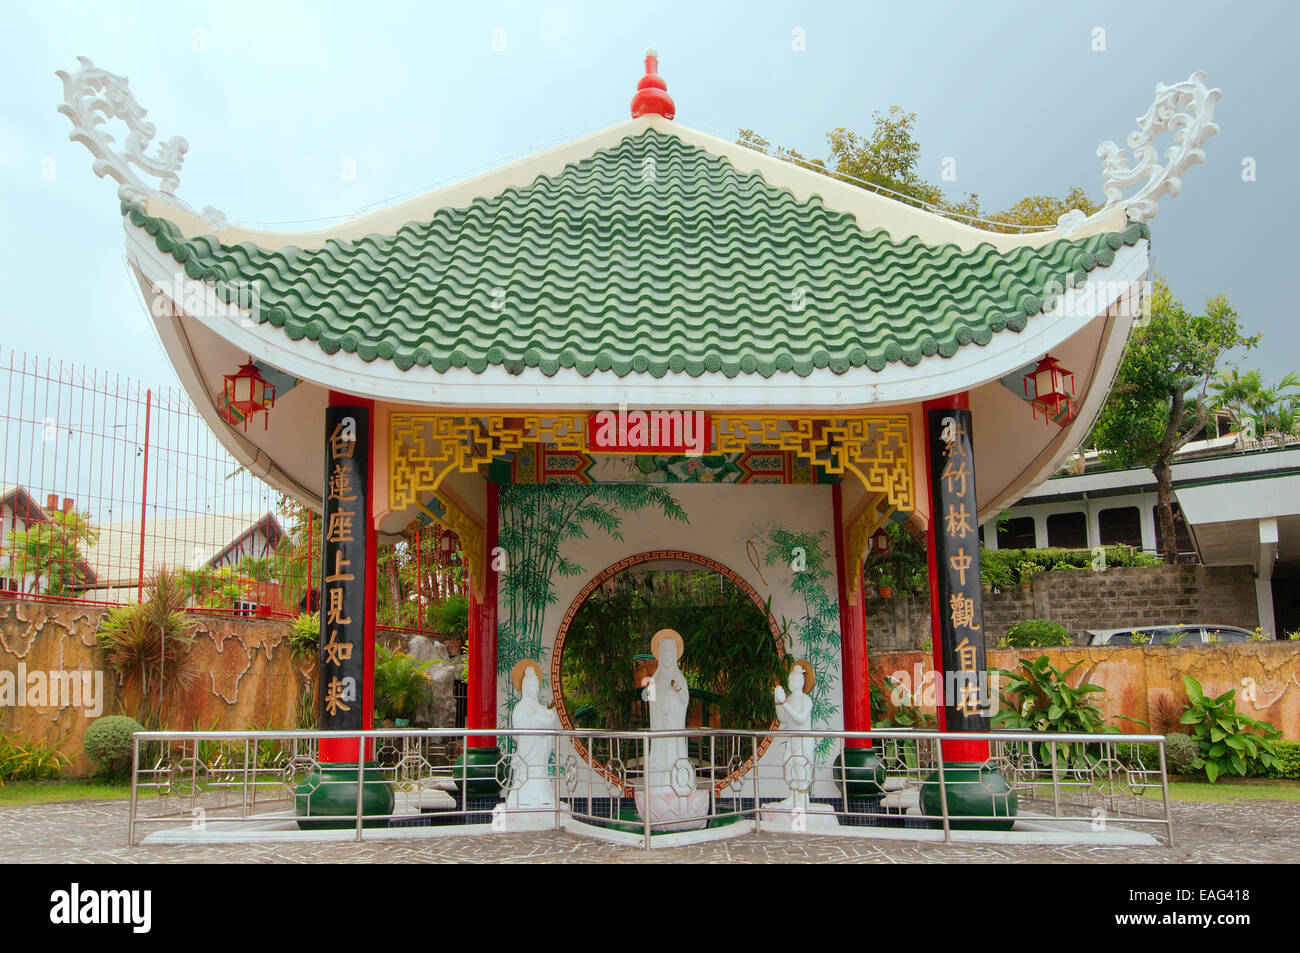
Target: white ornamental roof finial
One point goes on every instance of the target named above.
(1185, 110)
(91, 96)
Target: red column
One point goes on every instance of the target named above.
(976, 751)
(853, 636)
(481, 711)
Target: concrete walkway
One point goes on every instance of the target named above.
(95, 832)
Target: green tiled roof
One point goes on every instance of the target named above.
(650, 256)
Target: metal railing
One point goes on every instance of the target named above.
(235, 784)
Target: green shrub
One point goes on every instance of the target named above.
(30, 760)
(400, 683)
(1229, 742)
(451, 618)
(1145, 755)
(1037, 697)
(304, 636)
(1001, 568)
(1181, 754)
(108, 743)
(1037, 633)
(1287, 754)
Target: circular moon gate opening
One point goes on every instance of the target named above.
(734, 656)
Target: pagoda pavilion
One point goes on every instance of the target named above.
(750, 366)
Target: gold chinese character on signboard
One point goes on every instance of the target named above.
(336, 694)
(340, 527)
(957, 522)
(955, 474)
(343, 441)
(340, 564)
(960, 563)
(336, 651)
(969, 701)
(334, 613)
(953, 436)
(341, 484)
(963, 612)
(965, 655)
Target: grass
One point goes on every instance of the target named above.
(53, 792)
(1236, 789)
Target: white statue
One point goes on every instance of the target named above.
(794, 711)
(675, 803)
(531, 788)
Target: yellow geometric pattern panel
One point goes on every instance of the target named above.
(874, 448)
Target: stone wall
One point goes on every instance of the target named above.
(1266, 676)
(1080, 600)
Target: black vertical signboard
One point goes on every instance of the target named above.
(957, 565)
(343, 568)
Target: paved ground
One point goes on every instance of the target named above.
(95, 832)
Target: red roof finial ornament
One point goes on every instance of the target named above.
(652, 92)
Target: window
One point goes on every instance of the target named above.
(243, 608)
(1067, 530)
(1183, 539)
(1121, 526)
(1017, 534)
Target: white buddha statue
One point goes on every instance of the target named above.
(531, 787)
(794, 712)
(670, 795)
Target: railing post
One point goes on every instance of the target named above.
(144, 492)
(1056, 785)
(361, 773)
(243, 801)
(1164, 790)
(135, 779)
(645, 786)
(943, 792)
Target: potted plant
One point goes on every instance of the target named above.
(886, 586)
(400, 686)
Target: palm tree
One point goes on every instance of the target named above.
(1254, 407)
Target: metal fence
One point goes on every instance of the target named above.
(104, 482)
(241, 785)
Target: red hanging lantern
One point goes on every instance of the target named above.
(249, 393)
(1052, 394)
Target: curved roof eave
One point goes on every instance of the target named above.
(497, 387)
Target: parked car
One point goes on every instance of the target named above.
(1169, 635)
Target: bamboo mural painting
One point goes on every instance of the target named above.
(817, 632)
(536, 521)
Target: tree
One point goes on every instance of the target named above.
(52, 552)
(1158, 403)
(889, 157)
(1254, 407)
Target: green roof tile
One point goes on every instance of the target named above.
(652, 256)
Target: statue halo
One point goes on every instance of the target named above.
(666, 634)
(809, 676)
(522, 666)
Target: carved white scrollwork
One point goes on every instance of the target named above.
(1184, 110)
(91, 97)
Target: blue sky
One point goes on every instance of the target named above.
(274, 98)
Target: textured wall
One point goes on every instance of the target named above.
(1082, 600)
(244, 675)
(1266, 676)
